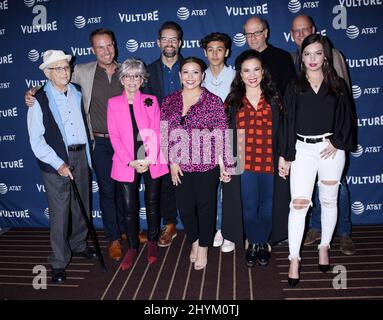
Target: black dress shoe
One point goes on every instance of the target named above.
(264, 254)
(292, 281)
(251, 255)
(58, 275)
(88, 253)
(323, 267)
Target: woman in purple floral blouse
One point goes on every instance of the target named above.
(195, 122)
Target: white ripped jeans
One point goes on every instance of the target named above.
(303, 172)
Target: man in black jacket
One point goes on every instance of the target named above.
(164, 80)
(279, 62)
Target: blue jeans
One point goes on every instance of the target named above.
(257, 204)
(343, 227)
(110, 196)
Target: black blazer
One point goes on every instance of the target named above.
(155, 85)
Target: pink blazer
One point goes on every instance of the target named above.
(121, 135)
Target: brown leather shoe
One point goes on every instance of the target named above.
(312, 236)
(143, 237)
(347, 247)
(168, 233)
(115, 250)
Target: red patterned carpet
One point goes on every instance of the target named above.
(173, 277)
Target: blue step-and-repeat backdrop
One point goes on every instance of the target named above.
(29, 27)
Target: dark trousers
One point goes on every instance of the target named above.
(257, 203)
(68, 230)
(130, 192)
(197, 202)
(168, 207)
(110, 197)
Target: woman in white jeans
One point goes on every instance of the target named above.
(318, 128)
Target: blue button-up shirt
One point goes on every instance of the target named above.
(171, 78)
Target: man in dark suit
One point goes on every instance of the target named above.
(164, 80)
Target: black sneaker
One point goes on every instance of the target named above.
(264, 254)
(251, 255)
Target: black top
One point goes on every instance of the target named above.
(331, 111)
(316, 111)
(281, 66)
(136, 137)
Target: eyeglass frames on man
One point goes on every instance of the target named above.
(60, 70)
(254, 34)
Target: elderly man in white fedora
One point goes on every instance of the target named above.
(59, 138)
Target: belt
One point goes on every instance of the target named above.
(76, 147)
(313, 140)
(101, 135)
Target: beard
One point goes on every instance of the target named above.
(169, 54)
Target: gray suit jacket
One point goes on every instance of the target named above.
(83, 75)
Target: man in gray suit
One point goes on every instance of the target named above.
(99, 81)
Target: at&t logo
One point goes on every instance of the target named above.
(357, 207)
(3, 188)
(295, 6)
(33, 55)
(94, 187)
(357, 91)
(132, 45)
(46, 213)
(142, 213)
(352, 32)
(358, 152)
(183, 13)
(80, 21)
(239, 40)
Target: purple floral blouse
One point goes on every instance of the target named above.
(193, 140)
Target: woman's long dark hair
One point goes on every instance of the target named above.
(330, 76)
(238, 88)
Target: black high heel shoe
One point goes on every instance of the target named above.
(324, 267)
(293, 282)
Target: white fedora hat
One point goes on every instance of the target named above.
(51, 56)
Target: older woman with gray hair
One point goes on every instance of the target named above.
(134, 130)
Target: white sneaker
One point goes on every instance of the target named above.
(218, 239)
(227, 246)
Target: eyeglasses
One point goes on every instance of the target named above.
(172, 40)
(134, 77)
(301, 31)
(60, 70)
(254, 34)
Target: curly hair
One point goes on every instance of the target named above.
(238, 88)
